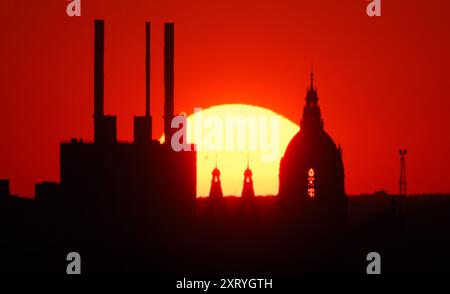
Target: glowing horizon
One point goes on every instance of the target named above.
(235, 133)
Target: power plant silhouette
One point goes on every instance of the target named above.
(132, 207)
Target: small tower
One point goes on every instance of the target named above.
(398, 200)
(247, 191)
(216, 189)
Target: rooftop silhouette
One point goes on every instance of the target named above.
(132, 207)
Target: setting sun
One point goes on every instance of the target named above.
(235, 134)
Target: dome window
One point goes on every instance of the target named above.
(311, 186)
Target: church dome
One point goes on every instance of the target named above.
(312, 146)
(311, 168)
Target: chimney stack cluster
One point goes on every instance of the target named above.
(105, 127)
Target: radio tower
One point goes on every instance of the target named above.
(402, 181)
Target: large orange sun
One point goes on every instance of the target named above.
(233, 134)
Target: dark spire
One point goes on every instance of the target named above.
(311, 111)
(248, 191)
(216, 173)
(312, 91)
(215, 192)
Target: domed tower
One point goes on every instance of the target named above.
(311, 170)
(247, 191)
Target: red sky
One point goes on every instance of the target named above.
(383, 82)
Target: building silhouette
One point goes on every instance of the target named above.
(131, 206)
(127, 185)
(215, 198)
(248, 192)
(215, 193)
(311, 170)
(4, 188)
(125, 205)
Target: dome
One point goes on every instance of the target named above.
(311, 150)
(312, 168)
(313, 146)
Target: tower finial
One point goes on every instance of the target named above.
(311, 110)
(248, 160)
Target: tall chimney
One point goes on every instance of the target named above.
(143, 124)
(168, 79)
(105, 127)
(98, 68)
(147, 69)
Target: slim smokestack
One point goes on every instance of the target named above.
(147, 69)
(143, 124)
(98, 68)
(105, 127)
(168, 79)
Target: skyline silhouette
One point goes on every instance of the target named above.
(92, 122)
(248, 52)
(105, 126)
(131, 207)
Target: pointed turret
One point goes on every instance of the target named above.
(312, 117)
(247, 191)
(216, 188)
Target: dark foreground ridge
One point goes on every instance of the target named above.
(36, 239)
